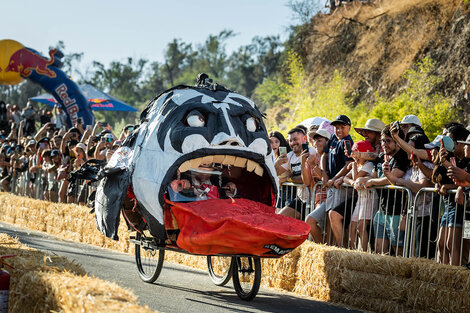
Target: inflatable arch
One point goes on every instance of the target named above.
(18, 62)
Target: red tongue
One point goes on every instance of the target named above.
(238, 226)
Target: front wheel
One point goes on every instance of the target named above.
(220, 269)
(149, 261)
(246, 274)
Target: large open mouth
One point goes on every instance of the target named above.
(244, 169)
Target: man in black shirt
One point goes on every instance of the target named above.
(393, 164)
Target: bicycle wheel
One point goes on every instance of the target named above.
(149, 261)
(220, 269)
(246, 274)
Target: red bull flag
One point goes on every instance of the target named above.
(17, 62)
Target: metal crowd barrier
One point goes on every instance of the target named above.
(411, 227)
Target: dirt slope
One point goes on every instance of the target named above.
(373, 44)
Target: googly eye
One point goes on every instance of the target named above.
(195, 120)
(251, 124)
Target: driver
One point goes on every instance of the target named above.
(201, 186)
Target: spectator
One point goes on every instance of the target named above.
(393, 165)
(15, 114)
(334, 167)
(277, 140)
(415, 179)
(45, 117)
(409, 121)
(311, 171)
(367, 201)
(340, 215)
(450, 233)
(60, 118)
(292, 162)
(129, 128)
(29, 118)
(50, 167)
(103, 146)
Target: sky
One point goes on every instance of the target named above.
(114, 30)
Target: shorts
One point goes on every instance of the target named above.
(388, 227)
(52, 185)
(366, 205)
(299, 206)
(453, 215)
(335, 197)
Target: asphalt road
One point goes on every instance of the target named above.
(178, 289)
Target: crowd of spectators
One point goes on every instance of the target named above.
(367, 215)
(46, 157)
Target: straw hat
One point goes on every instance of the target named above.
(372, 124)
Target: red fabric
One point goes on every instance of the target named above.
(243, 227)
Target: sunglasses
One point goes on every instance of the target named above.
(107, 139)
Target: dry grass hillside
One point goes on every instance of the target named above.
(373, 45)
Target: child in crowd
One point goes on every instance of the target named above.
(367, 199)
(334, 164)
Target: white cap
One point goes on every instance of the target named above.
(324, 133)
(411, 119)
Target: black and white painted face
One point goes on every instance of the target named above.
(189, 126)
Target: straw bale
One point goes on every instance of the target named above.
(453, 277)
(437, 298)
(371, 304)
(281, 273)
(374, 285)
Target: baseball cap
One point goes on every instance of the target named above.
(362, 146)
(341, 119)
(372, 124)
(32, 142)
(436, 143)
(411, 119)
(466, 142)
(54, 152)
(323, 133)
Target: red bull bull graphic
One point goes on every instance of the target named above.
(18, 62)
(24, 61)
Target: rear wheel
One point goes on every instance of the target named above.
(246, 274)
(149, 261)
(220, 269)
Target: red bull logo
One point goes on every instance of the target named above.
(70, 103)
(24, 61)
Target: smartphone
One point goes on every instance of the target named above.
(282, 150)
(305, 146)
(104, 124)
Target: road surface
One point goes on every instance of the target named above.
(178, 289)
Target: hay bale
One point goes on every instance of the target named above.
(42, 283)
(281, 273)
(452, 277)
(377, 286)
(437, 298)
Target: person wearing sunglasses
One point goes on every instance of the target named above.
(105, 144)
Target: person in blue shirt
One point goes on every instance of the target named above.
(334, 167)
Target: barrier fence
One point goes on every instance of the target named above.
(384, 219)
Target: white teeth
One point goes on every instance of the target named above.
(219, 158)
(208, 159)
(259, 170)
(251, 165)
(239, 162)
(185, 167)
(195, 162)
(229, 160)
